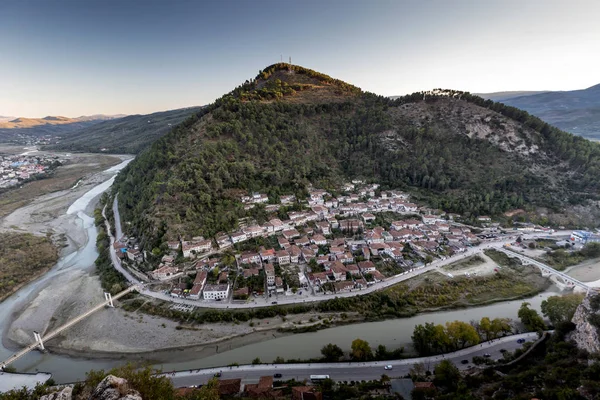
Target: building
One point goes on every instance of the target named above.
(214, 292)
(306, 393)
(270, 274)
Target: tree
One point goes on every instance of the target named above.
(256, 361)
(210, 391)
(446, 375)
(461, 334)
(361, 351)
(530, 318)
(279, 360)
(561, 308)
(422, 338)
(417, 371)
(485, 328)
(381, 352)
(331, 352)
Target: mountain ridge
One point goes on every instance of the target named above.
(291, 128)
(575, 111)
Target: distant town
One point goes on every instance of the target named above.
(17, 169)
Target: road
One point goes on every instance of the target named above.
(565, 277)
(113, 254)
(349, 371)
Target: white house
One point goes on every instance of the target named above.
(214, 292)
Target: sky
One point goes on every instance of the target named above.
(82, 57)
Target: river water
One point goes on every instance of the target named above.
(391, 333)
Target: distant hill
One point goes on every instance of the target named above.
(129, 134)
(575, 111)
(501, 96)
(291, 128)
(19, 123)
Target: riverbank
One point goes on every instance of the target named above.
(168, 340)
(68, 284)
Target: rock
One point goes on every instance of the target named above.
(586, 335)
(114, 388)
(64, 394)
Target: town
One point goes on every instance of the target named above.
(16, 169)
(334, 245)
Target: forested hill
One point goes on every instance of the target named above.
(127, 135)
(292, 127)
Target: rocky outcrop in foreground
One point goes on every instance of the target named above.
(587, 334)
(111, 388)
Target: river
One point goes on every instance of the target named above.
(392, 333)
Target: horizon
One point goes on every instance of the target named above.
(73, 58)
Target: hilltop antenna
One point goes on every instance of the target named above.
(281, 58)
(290, 67)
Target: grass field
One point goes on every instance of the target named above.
(22, 258)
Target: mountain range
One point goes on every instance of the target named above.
(575, 111)
(129, 134)
(15, 123)
(292, 128)
(94, 133)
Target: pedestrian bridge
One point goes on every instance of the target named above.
(39, 340)
(546, 270)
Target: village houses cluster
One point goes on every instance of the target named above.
(18, 168)
(332, 264)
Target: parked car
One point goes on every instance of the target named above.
(503, 350)
(273, 302)
(388, 367)
(521, 340)
(487, 355)
(277, 376)
(464, 362)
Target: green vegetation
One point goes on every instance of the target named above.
(127, 135)
(23, 257)
(110, 279)
(561, 309)
(530, 318)
(361, 351)
(431, 339)
(560, 258)
(326, 132)
(332, 352)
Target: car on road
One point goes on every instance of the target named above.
(521, 340)
(464, 362)
(218, 375)
(487, 355)
(273, 302)
(277, 376)
(503, 350)
(388, 367)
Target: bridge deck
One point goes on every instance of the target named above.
(543, 266)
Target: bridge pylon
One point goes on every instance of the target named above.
(108, 298)
(38, 339)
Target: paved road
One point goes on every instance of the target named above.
(547, 268)
(348, 371)
(118, 230)
(113, 255)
